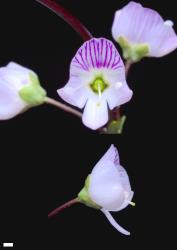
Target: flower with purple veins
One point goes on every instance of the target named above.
(97, 80)
(142, 32)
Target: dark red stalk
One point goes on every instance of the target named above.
(62, 207)
(128, 64)
(68, 18)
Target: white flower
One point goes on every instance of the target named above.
(97, 80)
(19, 90)
(142, 32)
(108, 187)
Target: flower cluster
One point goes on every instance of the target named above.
(97, 84)
(97, 81)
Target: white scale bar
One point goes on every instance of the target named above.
(8, 244)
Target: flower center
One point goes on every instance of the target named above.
(98, 85)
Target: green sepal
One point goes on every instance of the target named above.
(133, 52)
(33, 93)
(84, 197)
(116, 127)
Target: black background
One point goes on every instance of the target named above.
(46, 154)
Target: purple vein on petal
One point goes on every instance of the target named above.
(76, 65)
(78, 61)
(84, 62)
(116, 63)
(104, 64)
(97, 53)
(90, 51)
(93, 41)
(110, 47)
(98, 50)
(116, 159)
(86, 54)
(102, 41)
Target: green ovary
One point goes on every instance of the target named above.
(99, 85)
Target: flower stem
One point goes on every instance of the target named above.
(62, 207)
(128, 64)
(68, 18)
(116, 114)
(62, 106)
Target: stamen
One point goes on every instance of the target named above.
(132, 203)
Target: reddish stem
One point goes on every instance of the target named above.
(62, 207)
(128, 64)
(67, 17)
(62, 106)
(116, 114)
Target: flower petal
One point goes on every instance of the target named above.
(96, 58)
(13, 81)
(124, 179)
(118, 91)
(17, 67)
(10, 102)
(16, 75)
(105, 187)
(134, 21)
(129, 197)
(96, 53)
(162, 40)
(126, 186)
(110, 155)
(117, 96)
(74, 96)
(95, 113)
(114, 223)
(141, 25)
(108, 174)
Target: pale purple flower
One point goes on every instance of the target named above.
(135, 25)
(19, 90)
(97, 80)
(109, 186)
